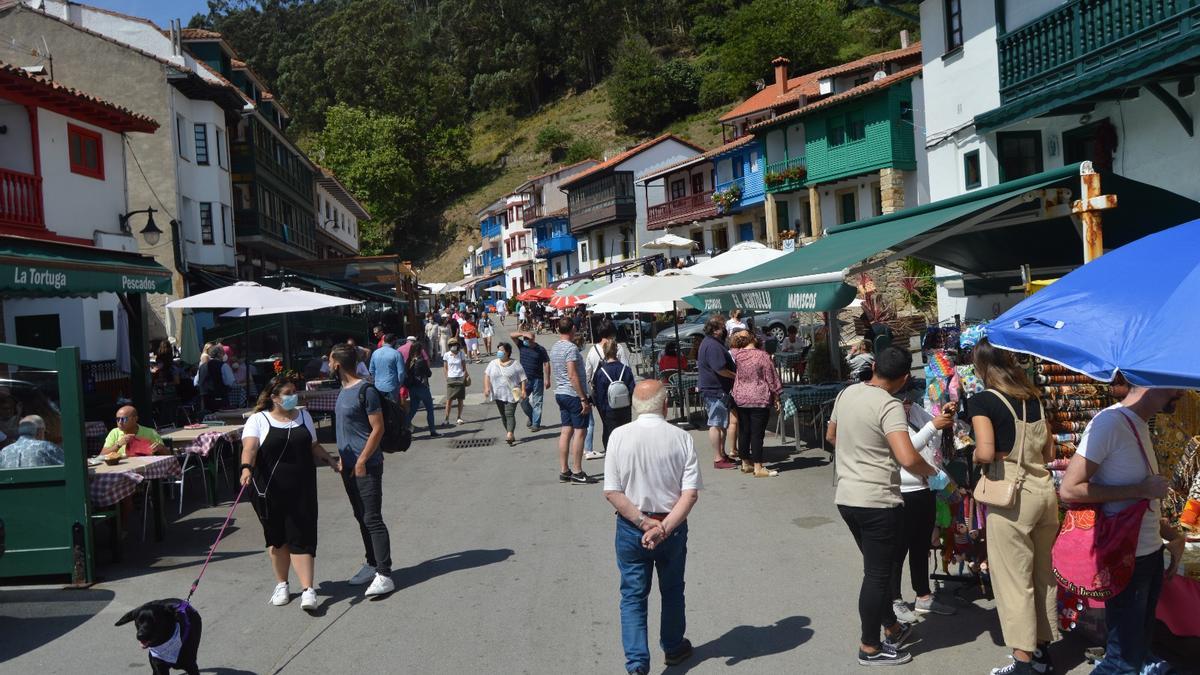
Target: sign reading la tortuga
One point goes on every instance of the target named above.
(34, 277)
(53, 280)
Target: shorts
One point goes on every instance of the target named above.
(718, 414)
(472, 344)
(456, 389)
(570, 410)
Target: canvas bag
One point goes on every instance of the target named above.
(1093, 556)
(1002, 493)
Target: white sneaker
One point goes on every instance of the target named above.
(363, 575)
(281, 596)
(593, 455)
(381, 586)
(308, 600)
(459, 421)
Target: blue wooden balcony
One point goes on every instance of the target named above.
(750, 186)
(558, 244)
(489, 227)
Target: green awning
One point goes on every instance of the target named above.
(39, 268)
(995, 229)
(338, 287)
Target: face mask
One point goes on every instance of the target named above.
(502, 355)
(289, 401)
(454, 349)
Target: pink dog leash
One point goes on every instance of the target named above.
(213, 549)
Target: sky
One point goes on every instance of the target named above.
(159, 11)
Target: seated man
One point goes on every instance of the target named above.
(130, 438)
(31, 448)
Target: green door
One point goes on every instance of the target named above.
(45, 508)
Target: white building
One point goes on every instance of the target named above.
(62, 180)
(1006, 96)
(338, 216)
(608, 213)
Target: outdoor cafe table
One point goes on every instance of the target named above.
(108, 485)
(201, 442)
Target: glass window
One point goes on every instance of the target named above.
(221, 148)
(697, 183)
(972, 177)
(954, 29)
(29, 391)
(583, 251)
(226, 224)
(201, 143)
(181, 135)
(678, 189)
(1019, 153)
(206, 223)
(837, 131)
(86, 149)
(856, 126)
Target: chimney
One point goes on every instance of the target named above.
(781, 75)
(904, 39)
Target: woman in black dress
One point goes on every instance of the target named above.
(280, 454)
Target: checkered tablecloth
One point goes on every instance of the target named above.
(322, 401)
(112, 486)
(205, 443)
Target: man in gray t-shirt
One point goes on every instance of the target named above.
(575, 409)
(359, 428)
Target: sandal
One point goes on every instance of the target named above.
(747, 467)
(765, 473)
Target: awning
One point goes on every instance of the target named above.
(34, 267)
(993, 230)
(338, 287)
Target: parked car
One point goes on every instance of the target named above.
(774, 324)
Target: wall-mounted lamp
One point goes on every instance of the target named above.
(335, 225)
(150, 232)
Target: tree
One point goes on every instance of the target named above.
(404, 172)
(647, 93)
(808, 32)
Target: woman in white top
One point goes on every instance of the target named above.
(920, 510)
(454, 362)
(504, 381)
(486, 331)
(734, 324)
(280, 454)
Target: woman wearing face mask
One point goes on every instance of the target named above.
(454, 362)
(504, 381)
(280, 454)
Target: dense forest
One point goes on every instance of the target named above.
(383, 91)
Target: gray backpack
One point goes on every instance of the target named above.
(618, 392)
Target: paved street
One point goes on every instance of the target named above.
(500, 569)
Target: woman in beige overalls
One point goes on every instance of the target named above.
(1013, 443)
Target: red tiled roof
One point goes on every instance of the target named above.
(631, 152)
(18, 84)
(861, 90)
(559, 169)
(808, 84)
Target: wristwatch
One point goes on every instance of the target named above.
(247, 466)
(641, 519)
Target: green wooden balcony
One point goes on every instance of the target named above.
(786, 175)
(1088, 38)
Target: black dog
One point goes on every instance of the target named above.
(156, 624)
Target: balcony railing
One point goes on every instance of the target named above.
(1084, 36)
(21, 199)
(489, 228)
(786, 175)
(556, 245)
(682, 210)
(519, 256)
(750, 186)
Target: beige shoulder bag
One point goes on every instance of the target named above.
(1002, 493)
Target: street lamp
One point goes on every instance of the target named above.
(150, 232)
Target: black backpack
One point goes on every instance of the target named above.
(397, 433)
(417, 370)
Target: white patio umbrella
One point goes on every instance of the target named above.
(495, 288)
(658, 293)
(669, 241)
(737, 259)
(298, 300)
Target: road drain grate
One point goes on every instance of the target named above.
(472, 443)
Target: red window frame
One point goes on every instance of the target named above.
(80, 168)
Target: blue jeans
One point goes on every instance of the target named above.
(532, 404)
(637, 565)
(591, 432)
(419, 395)
(1130, 619)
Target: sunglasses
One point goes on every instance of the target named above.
(123, 419)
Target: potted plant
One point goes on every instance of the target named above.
(728, 198)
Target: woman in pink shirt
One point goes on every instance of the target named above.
(755, 390)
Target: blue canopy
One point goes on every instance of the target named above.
(1136, 310)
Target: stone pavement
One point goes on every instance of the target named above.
(501, 569)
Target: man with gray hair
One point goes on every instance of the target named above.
(31, 448)
(652, 479)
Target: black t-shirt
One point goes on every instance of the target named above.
(987, 404)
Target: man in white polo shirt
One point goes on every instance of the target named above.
(652, 479)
